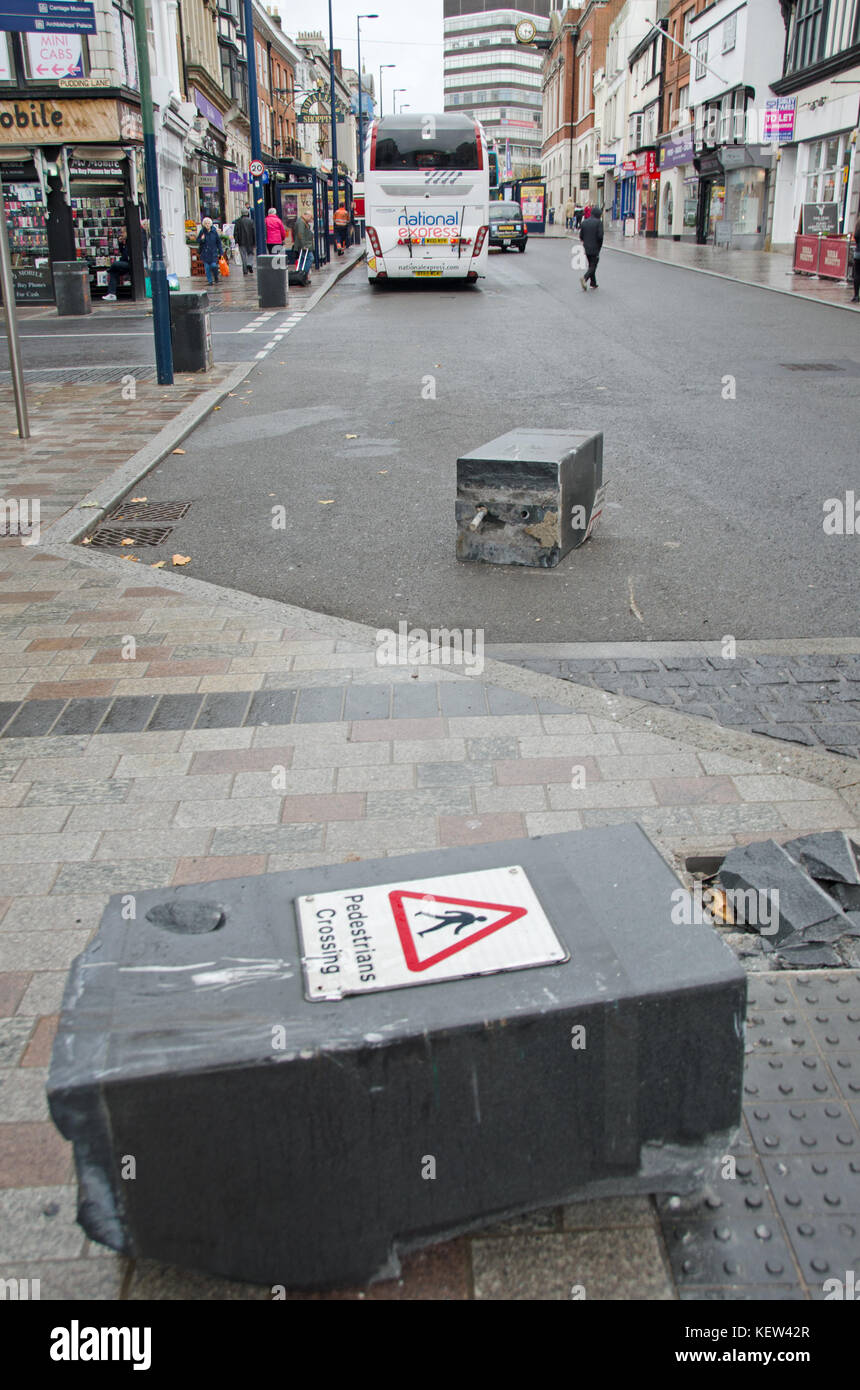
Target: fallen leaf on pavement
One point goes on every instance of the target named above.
(132, 557)
(382, 470)
(138, 499)
(182, 451)
(89, 504)
(87, 541)
(127, 541)
(182, 559)
(325, 501)
(159, 565)
(350, 436)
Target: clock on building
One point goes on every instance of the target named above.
(525, 31)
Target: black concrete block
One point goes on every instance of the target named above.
(529, 497)
(831, 858)
(805, 912)
(286, 1140)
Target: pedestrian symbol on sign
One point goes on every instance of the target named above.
(409, 908)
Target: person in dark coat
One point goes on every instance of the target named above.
(245, 237)
(591, 236)
(121, 266)
(209, 246)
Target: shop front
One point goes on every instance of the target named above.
(624, 196)
(733, 196)
(647, 192)
(72, 177)
(675, 163)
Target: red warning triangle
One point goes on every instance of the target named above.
(409, 930)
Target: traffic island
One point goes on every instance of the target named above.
(292, 1078)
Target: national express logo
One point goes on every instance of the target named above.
(430, 229)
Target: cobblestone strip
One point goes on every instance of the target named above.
(811, 700)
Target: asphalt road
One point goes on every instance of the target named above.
(714, 523)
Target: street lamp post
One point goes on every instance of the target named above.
(334, 185)
(394, 96)
(381, 66)
(254, 118)
(157, 268)
(359, 18)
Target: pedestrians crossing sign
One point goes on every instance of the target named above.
(387, 936)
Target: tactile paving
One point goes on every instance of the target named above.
(790, 1220)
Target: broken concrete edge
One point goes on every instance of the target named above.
(736, 280)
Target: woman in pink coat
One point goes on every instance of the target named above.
(276, 232)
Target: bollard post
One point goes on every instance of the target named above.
(272, 274)
(72, 288)
(191, 331)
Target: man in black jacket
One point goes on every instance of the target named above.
(591, 236)
(245, 237)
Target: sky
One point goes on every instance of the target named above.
(407, 33)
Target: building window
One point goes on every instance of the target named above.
(809, 32)
(701, 57)
(828, 160)
(730, 33)
(126, 54)
(689, 16)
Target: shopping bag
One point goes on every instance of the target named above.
(224, 267)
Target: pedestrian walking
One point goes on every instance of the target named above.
(209, 247)
(855, 250)
(276, 232)
(591, 236)
(120, 266)
(569, 211)
(341, 228)
(245, 236)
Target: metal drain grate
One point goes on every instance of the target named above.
(110, 537)
(149, 513)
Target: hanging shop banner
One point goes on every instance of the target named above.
(238, 182)
(677, 152)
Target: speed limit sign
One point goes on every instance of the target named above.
(256, 168)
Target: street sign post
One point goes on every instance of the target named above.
(48, 16)
(158, 270)
(8, 287)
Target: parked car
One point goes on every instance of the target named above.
(507, 227)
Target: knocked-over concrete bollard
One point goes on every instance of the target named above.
(291, 1078)
(529, 497)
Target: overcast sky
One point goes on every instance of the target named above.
(406, 33)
